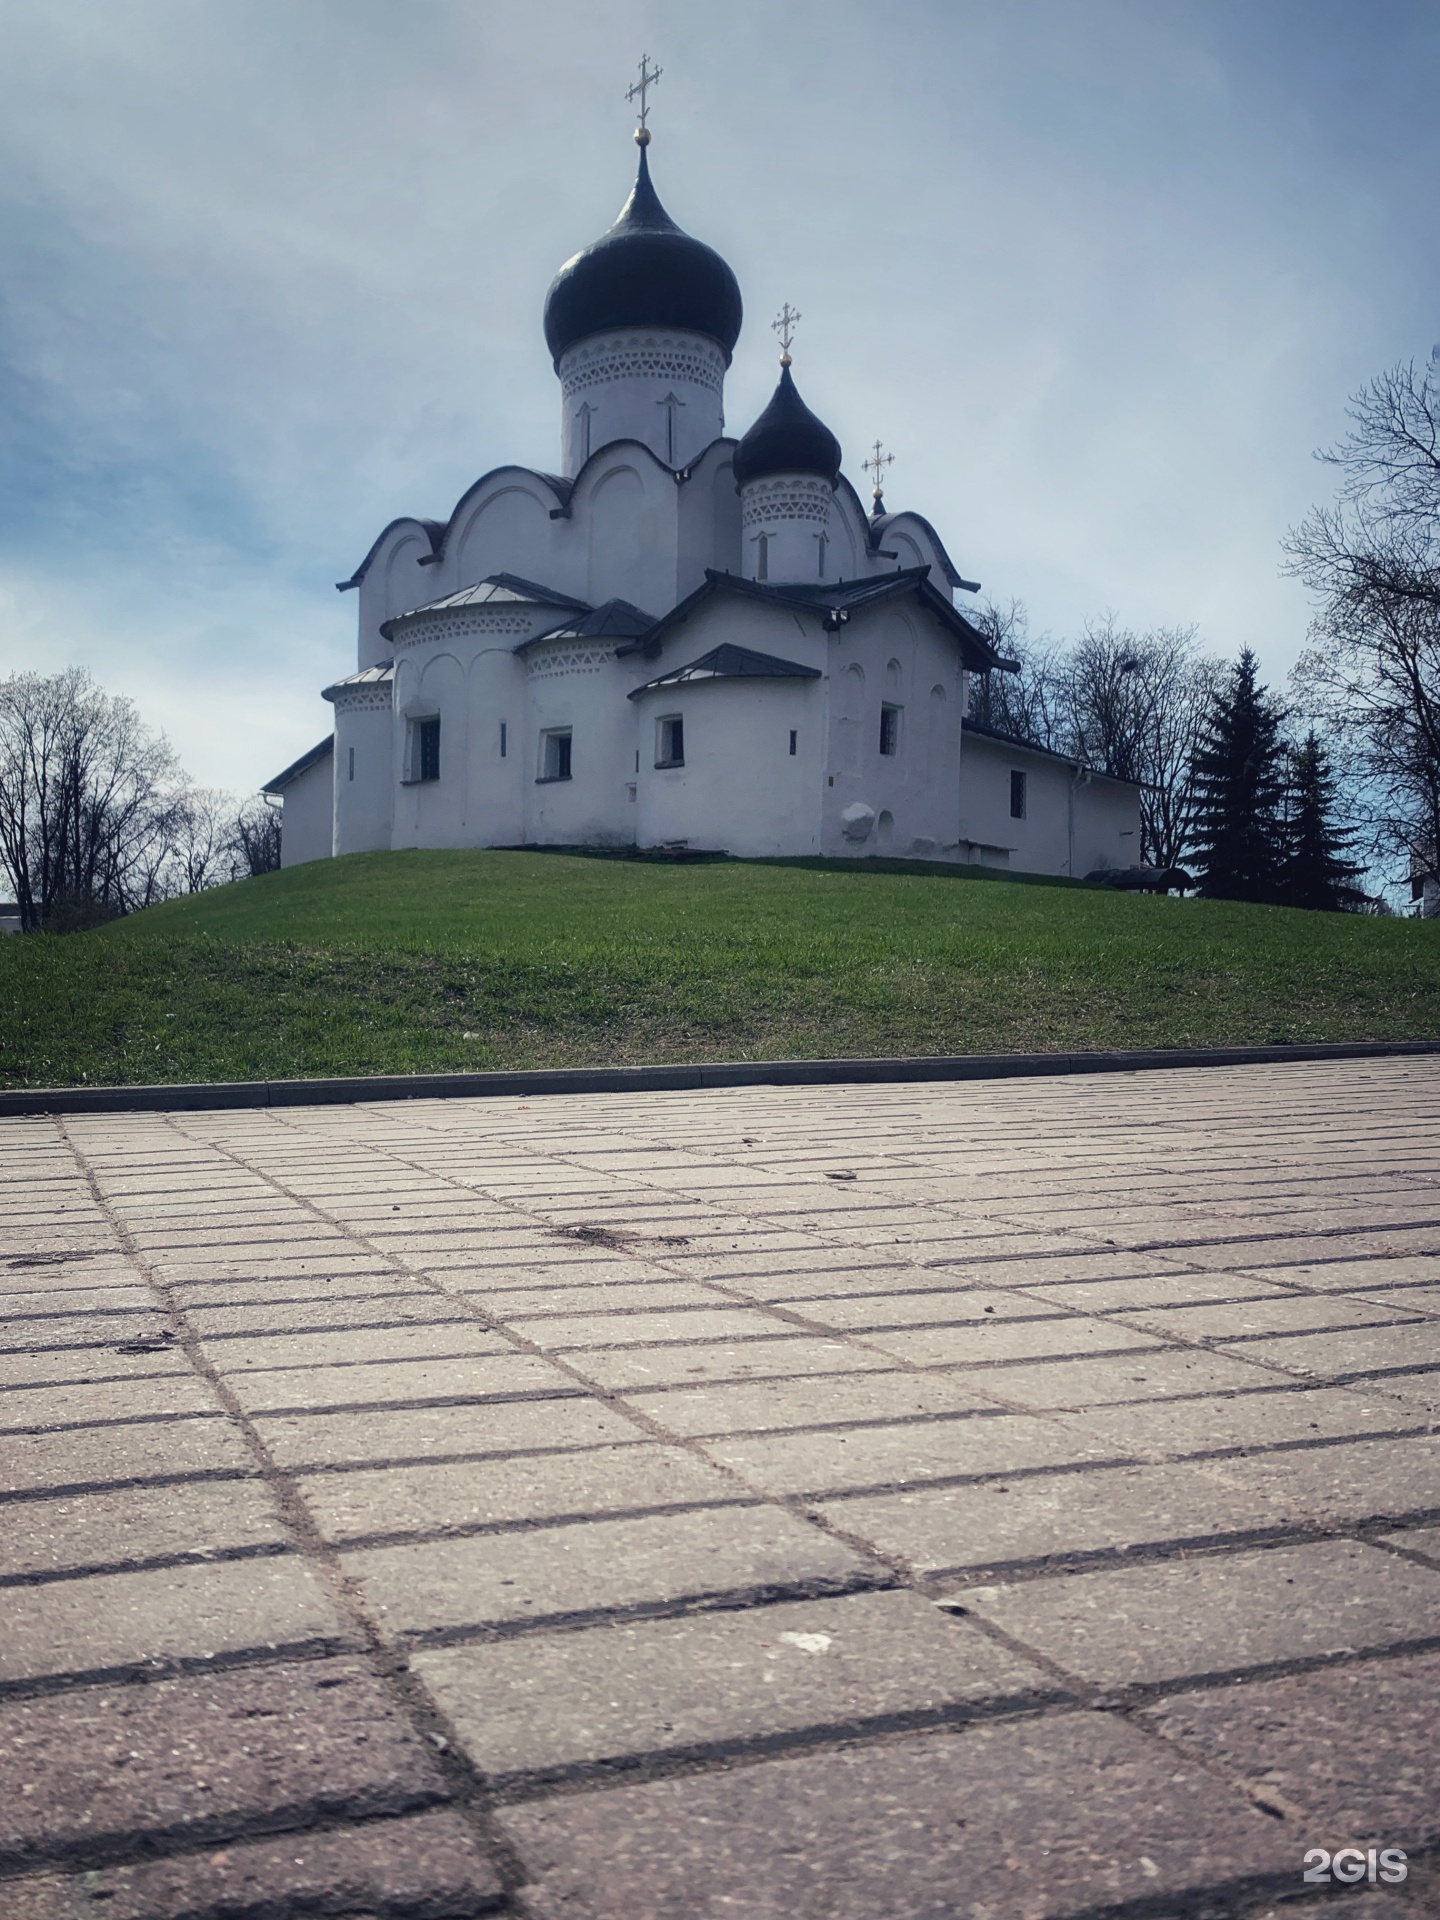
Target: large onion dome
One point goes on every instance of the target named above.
(643, 273)
(787, 438)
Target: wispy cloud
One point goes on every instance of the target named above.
(1103, 275)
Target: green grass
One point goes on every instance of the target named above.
(426, 961)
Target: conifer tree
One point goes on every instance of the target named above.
(1317, 874)
(1239, 775)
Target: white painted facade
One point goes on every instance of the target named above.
(517, 664)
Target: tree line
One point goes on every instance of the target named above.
(98, 819)
(1261, 799)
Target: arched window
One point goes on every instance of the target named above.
(762, 556)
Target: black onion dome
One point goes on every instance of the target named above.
(787, 438)
(643, 273)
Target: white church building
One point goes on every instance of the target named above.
(680, 639)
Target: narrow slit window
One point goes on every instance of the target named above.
(555, 754)
(762, 557)
(670, 741)
(352, 763)
(889, 730)
(504, 739)
(794, 739)
(427, 750)
(1017, 796)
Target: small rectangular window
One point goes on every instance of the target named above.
(794, 739)
(427, 750)
(889, 730)
(504, 738)
(1017, 796)
(555, 754)
(670, 741)
(352, 763)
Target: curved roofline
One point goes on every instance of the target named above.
(434, 530)
(879, 527)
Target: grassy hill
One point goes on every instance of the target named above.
(427, 961)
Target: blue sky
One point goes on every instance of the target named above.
(271, 271)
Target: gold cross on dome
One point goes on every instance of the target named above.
(648, 76)
(875, 466)
(785, 323)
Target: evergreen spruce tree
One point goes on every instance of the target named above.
(1240, 792)
(1317, 874)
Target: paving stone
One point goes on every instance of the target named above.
(984, 1341)
(447, 1339)
(1218, 1613)
(1157, 1374)
(176, 1613)
(875, 1456)
(1291, 1313)
(875, 1315)
(1104, 1292)
(1260, 1420)
(397, 1500)
(329, 1314)
(397, 1382)
(37, 1410)
(1342, 1485)
(208, 1754)
(430, 1864)
(536, 1573)
(1363, 1350)
(782, 1358)
(584, 1331)
(1047, 1516)
(765, 1406)
(1404, 1300)
(296, 1441)
(638, 1687)
(1424, 1540)
(1356, 1276)
(87, 1456)
(1356, 1747)
(137, 1523)
(37, 1369)
(1068, 1815)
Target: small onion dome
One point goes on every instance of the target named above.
(787, 438)
(643, 273)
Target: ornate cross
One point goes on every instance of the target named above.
(648, 76)
(875, 466)
(785, 323)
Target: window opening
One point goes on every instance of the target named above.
(822, 541)
(670, 403)
(1017, 796)
(670, 741)
(352, 763)
(794, 737)
(555, 755)
(762, 562)
(889, 729)
(427, 744)
(582, 414)
(504, 738)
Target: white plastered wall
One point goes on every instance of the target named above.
(1074, 821)
(305, 823)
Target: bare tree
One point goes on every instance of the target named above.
(1134, 705)
(254, 840)
(86, 800)
(1371, 675)
(203, 852)
(1023, 703)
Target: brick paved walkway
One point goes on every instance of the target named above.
(992, 1500)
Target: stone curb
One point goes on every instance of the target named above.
(671, 1079)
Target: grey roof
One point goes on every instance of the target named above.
(320, 751)
(366, 677)
(834, 601)
(615, 620)
(496, 589)
(731, 663)
(1047, 753)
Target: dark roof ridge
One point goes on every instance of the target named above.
(287, 775)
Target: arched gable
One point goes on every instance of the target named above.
(502, 525)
